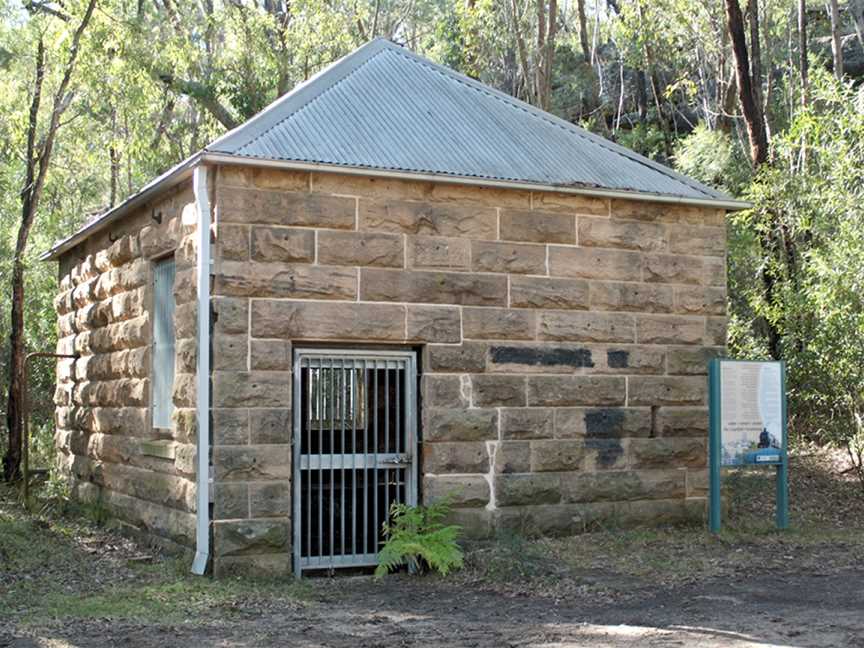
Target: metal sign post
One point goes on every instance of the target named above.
(747, 410)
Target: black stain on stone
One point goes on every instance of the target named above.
(617, 359)
(608, 451)
(541, 357)
(604, 423)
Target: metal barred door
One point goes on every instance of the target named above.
(355, 429)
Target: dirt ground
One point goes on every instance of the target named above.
(65, 581)
(774, 610)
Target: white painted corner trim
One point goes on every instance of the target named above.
(202, 374)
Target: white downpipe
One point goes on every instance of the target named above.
(202, 382)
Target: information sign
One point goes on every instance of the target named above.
(748, 425)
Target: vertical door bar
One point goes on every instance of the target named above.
(297, 478)
(332, 409)
(401, 471)
(342, 413)
(354, 390)
(319, 420)
(375, 436)
(367, 394)
(386, 438)
(310, 437)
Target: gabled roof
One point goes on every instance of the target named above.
(384, 109)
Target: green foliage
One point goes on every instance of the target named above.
(810, 198)
(713, 157)
(646, 139)
(417, 537)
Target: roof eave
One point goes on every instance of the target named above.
(170, 178)
(729, 204)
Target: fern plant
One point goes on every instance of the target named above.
(417, 536)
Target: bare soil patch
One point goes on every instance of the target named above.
(67, 582)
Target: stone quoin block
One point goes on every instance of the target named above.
(462, 490)
(270, 426)
(682, 422)
(445, 424)
(232, 242)
(242, 537)
(252, 463)
(669, 329)
(461, 457)
(700, 301)
(252, 206)
(251, 389)
(706, 241)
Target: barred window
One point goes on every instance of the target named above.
(162, 382)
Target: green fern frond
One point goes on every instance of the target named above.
(416, 536)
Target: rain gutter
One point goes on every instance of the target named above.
(718, 203)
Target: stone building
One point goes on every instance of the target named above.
(406, 285)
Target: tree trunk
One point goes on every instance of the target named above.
(836, 41)
(583, 30)
(37, 162)
(746, 94)
(15, 405)
(803, 65)
(857, 9)
(758, 138)
(755, 50)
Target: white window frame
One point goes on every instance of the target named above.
(164, 341)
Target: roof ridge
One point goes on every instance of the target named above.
(554, 120)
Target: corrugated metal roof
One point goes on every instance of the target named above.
(384, 107)
(386, 110)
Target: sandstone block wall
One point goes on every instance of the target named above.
(104, 436)
(564, 345)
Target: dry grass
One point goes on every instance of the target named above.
(827, 520)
